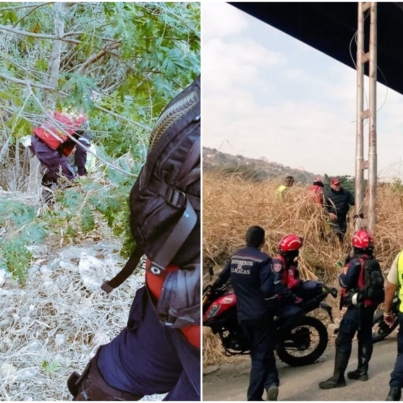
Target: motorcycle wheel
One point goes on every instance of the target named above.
(294, 356)
(380, 330)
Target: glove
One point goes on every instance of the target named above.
(81, 171)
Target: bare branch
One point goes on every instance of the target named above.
(117, 55)
(28, 72)
(114, 86)
(43, 36)
(29, 12)
(25, 6)
(96, 57)
(122, 117)
(29, 83)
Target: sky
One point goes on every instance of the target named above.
(266, 94)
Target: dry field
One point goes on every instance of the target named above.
(231, 205)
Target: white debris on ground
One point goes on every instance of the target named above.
(54, 325)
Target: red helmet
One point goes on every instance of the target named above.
(363, 239)
(290, 243)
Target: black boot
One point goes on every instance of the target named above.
(394, 394)
(340, 365)
(272, 392)
(364, 355)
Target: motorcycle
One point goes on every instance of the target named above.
(300, 344)
(380, 329)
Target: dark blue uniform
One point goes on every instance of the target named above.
(253, 282)
(339, 203)
(139, 364)
(251, 275)
(356, 319)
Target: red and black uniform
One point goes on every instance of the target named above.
(154, 284)
(286, 280)
(358, 317)
(315, 192)
(146, 357)
(54, 154)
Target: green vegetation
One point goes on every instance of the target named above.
(117, 63)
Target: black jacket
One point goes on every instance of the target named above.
(339, 203)
(251, 275)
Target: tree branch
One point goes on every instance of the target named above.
(172, 38)
(122, 117)
(43, 36)
(117, 55)
(28, 83)
(25, 6)
(96, 57)
(31, 11)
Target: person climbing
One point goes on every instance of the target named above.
(52, 147)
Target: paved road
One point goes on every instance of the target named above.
(230, 381)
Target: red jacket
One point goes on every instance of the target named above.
(155, 283)
(315, 192)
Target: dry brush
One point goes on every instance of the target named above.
(231, 205)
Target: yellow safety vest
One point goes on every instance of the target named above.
(281, 190)
(400, 279)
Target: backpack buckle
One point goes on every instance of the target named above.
(156, 269)
(175, 197)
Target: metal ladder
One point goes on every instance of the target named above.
(370, 113)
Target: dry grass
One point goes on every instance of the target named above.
(56, 323)
(231, 205)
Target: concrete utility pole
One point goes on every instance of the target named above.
(371, 163)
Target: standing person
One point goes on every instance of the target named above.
(337, 203)
(315, 191)
(251, 275)
(394, 281)
(52, 147)
(362, 291)
(282, 189)
(316, 196)
(159, 349)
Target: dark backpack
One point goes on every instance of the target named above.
(371, 281)
(165, 210)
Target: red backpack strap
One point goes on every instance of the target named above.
(361, 276)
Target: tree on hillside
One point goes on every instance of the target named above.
(118, 63)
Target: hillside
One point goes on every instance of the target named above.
(250, 168)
